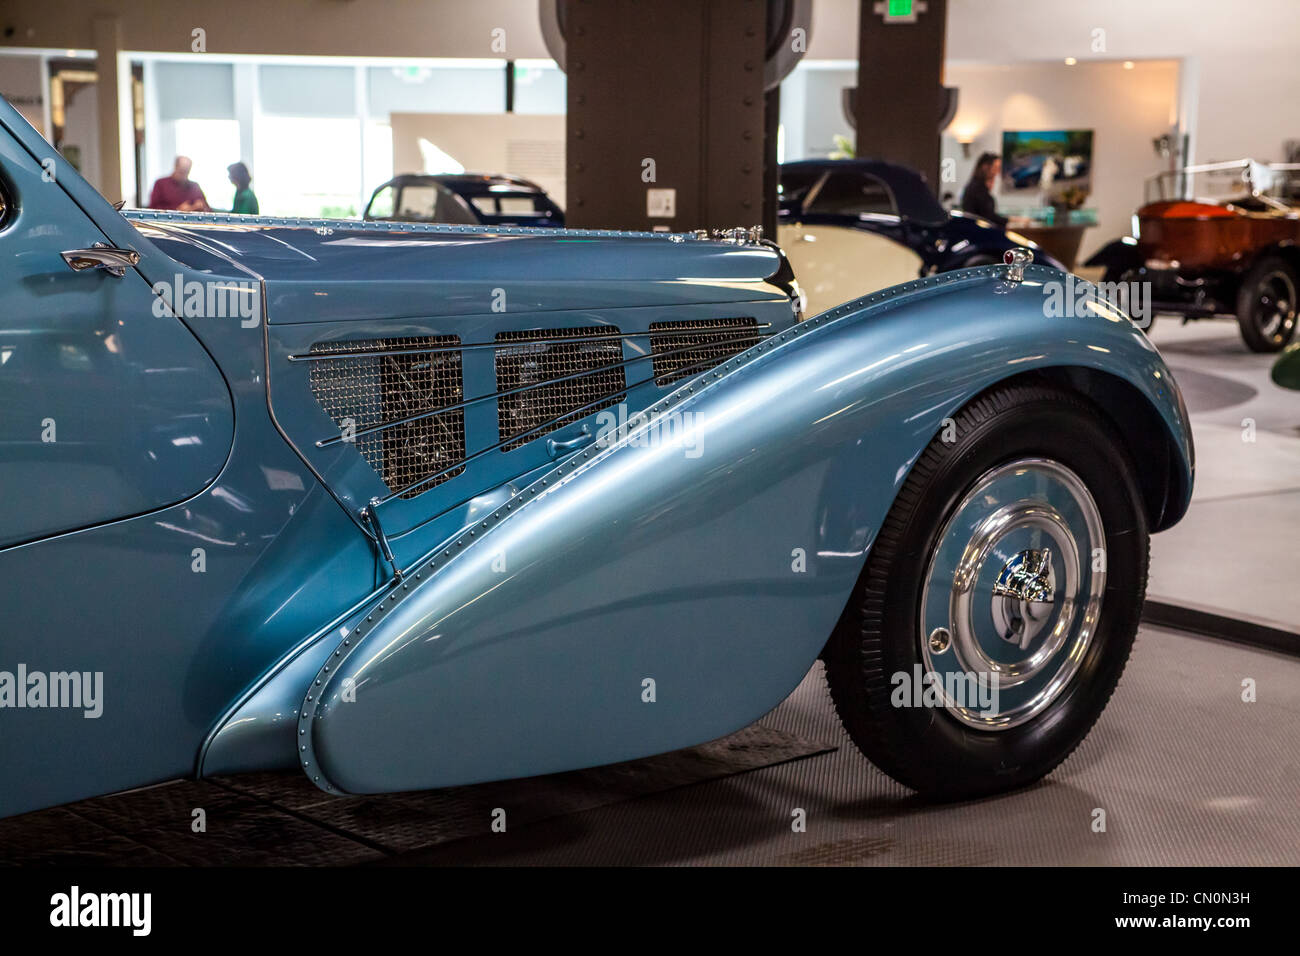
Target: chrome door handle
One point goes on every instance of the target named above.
(101, 256)
(557, 448)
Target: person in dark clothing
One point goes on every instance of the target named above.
(245, 201)
(977, 197)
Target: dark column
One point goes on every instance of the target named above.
(900, 87)
(677, 82)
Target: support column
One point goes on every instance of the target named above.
(107, 33)
(900, 83)
(665, 113)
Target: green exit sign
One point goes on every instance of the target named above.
(899, 11)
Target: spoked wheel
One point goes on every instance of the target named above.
(1266, 305)
(1000, 599)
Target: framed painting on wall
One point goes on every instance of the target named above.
(1056, 165)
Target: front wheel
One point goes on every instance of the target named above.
(999, 601)
(1266, 305)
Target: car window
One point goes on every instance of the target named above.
(381, 204)
(419, 203)
(524, 204)
(484, 205)
(429, 202)
(850, 193)
(795, 183)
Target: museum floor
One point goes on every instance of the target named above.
(1186, 771)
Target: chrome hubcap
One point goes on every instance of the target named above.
(1016, 581)
(1023, 596)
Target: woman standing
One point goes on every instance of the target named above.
(245, 201)
(977, 197)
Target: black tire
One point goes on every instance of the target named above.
(1266, 305)
(878, 636)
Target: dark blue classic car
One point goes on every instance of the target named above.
(487, 199)
(407, 506)
(853, 226)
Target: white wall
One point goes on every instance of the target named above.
(398, 28)
(1243, 50)
(1126, 109)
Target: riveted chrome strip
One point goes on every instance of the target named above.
(327, 356)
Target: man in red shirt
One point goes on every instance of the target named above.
(178, 191)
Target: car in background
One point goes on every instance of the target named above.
(1029, 173)
(1206, 257)
(853, 226)
(468, 199)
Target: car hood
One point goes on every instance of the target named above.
(297, 249)
(570, 267)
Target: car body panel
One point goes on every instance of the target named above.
(838, 263)
(209, 620)
(550, 612)
(111, 408)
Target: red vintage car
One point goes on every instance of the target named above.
(1207, 257)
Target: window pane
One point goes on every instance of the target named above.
(213, 145)
(518, 206)
(307, 166)
(540, 88)
(381, 207)
(292, 90)
(436, 89)
(852, 194)
(432, 204)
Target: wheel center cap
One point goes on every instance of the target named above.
(1023, 596)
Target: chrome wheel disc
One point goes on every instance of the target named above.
(1014, 588)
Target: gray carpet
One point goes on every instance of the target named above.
(282, 819)
(1187, 773)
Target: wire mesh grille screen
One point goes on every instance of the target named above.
(703, 343)
(371, 390)
(553, 406)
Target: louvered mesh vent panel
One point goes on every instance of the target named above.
(530, 361)
(371, 390)
(704, 344)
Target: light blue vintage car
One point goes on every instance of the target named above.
(408, 506)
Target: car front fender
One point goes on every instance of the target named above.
(675, 580)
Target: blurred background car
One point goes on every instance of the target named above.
(467, 198)
(1208, 255)
(853, 226)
